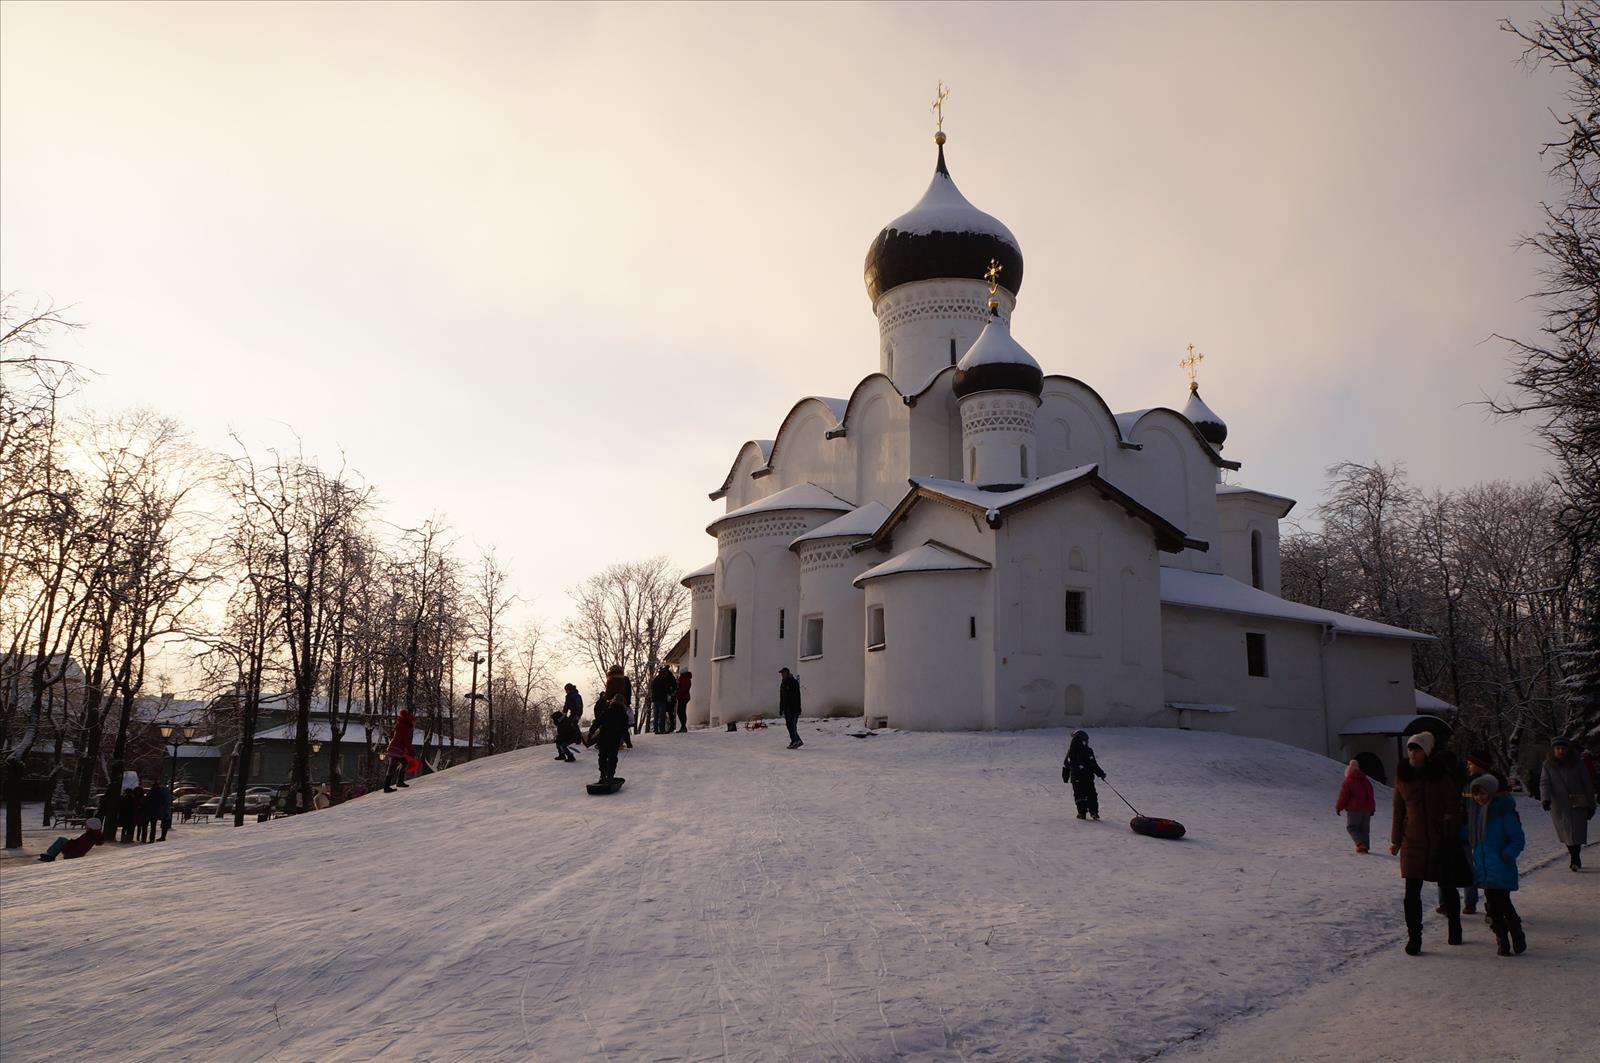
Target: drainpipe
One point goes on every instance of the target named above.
(1325, 640)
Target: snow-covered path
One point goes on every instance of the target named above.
(1394, 1007)
(902, 896)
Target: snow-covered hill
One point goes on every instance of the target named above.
(925, 896)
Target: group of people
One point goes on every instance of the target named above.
(1460, 830)
(144, 814)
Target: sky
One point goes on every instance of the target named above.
(542, 269)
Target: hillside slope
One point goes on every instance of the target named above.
(917, 895)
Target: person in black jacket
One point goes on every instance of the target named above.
(1079, 769)
(573, 706)
(663, 688)
(567, 734)
(789, 705)
(608, 731)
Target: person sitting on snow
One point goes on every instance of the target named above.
(1079, 769)
(75, 847)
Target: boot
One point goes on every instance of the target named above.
(1082, 814)
(1414, 943)
(388, 789)
(1454, 935)
(1577, 861)
(403, 784)
(46, 858)
(1519, 941)
(1502, 943)
(1096, 815)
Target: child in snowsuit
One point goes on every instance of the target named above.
(567, 734)
(71, 849)
(1079, 769)
(399, 751)
(1357, 802)
(609, 731)
(1494, 830)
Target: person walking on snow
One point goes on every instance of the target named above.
(1426, 833)
(619, 690)
(1569, 798)
(400, 752)
(574, 705)
(663, 688)
(567, 734)
(71, 849)
(1494, 831)
(608, 732)
(1478, 763)
(1358, 804)
(1079, 769)
(158, 812)
(789, 705)
(685, 680)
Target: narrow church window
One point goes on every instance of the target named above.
(952, 350)
(972, 464)
(890, 361)
(694, 642)
(780, 623)
(811, 638)
(727, 630)
(1255, 646)
(972, 627)
(1078, 612)
(1255, 559)
(875, 632)
(1024, 463)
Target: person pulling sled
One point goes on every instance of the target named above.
(1080, 769)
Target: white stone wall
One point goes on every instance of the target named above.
(702, 621)
(930, 674)
(998, 439)
(1237, 517)
(834, 682)
(920, 323)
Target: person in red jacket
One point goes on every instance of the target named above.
(400, 752)
(1358, 804)
(75, 847)
(685, 679)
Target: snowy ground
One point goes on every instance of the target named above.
(908, 895)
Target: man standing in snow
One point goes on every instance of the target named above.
(662, 690)
(574, 705)
(789, 705)
(1568, 797)
(1426, 833)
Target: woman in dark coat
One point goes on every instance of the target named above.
(1426, 833)
(1079, 769)
(1568, 797)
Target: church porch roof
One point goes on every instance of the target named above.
(931, 556)
(801, 496)
(859, 523)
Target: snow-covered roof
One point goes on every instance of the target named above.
(993, 505)
(943, 209)
(859, 523)
(1207, 590)
(764, 446)
(1129, 420)
(995, 346)
(198, 752)
(1240, 491)
(929, 557)
(702, 571)
(1200, 706)
(1381, 725)
(1426, 702)
(801, 496)
(357, 733)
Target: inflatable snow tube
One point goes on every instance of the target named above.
(1152, 827)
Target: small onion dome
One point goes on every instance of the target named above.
(1211, 427)
(996, 362)
(942, 237)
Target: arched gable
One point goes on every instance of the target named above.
(752, 455)
(1075, 426)
(807, 449)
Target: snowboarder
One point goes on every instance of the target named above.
(1079, 769)
(608, 732)
(663, 688)
(1568, 794)
(399, 752)
(71, 849)
(789, 705)
(574, 705)
(1426, 833)
(685, 681)
(567, 734)
(1494, 831)
(1356, 801)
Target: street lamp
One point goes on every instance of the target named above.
(175, 737)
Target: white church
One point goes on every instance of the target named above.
(967, 542)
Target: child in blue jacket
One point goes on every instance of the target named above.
(1494, 831)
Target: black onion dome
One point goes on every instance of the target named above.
(1210, 426)
(942, 237)
(996, 362)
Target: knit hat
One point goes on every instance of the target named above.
(1423, 740)
(1487, 783)
(1560, 740)
(92, 823)
(1480, 756)
(1353, 770)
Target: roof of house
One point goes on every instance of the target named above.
(356, 733)
(859, 523)
(801, 496)
(1209, 590)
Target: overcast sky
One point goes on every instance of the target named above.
(542, 269)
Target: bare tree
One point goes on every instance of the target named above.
(489, 600)
(626, 615)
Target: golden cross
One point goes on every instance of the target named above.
(938, 106)
(992, 275)
(1192, 364)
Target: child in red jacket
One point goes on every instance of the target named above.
(75, 847)
(1358, 804)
